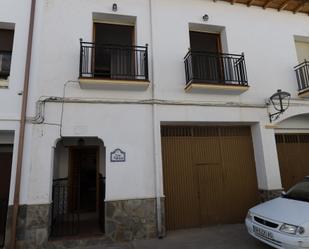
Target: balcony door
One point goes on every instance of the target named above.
(114, 57)
(6, 47)
(206, 57)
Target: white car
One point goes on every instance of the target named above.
(283, 222)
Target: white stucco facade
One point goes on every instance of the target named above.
(128, 119)
(11, 90)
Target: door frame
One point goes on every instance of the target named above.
(96, 22)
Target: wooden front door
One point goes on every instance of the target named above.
(209, 175)
(83, 179)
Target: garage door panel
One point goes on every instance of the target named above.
(217, 173)
(183, 205)
(292, 150)
(206, 150)
(304, 162)
(239, 175)
(285, 171)
(210, 182)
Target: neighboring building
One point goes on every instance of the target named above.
(151, 115)
(14, 22)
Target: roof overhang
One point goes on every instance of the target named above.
(296, 6)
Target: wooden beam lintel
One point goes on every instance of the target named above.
(283, 6)
(300, 7)
(267, 4)
(250, 3)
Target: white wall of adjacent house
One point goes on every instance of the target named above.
(14, 18)
(14, 15)
(265, 36)
(297, 124)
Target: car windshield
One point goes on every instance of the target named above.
(299, 192)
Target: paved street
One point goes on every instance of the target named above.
(218, 237)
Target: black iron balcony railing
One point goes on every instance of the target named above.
(302, 75)
(113, 62)
(5, 64)
(215, 68)
(65, 211)
(3, 216)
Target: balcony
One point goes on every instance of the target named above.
(302, 75)
(215, 73)
(5, 64)
(113, 66)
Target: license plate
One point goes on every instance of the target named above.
(263, 233)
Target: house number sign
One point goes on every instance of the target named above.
(118, 156)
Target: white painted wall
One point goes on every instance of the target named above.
(15, 13)
(266, 159)
(131, 131)
(265, 36)
(61, 25)
(295, 124)
(11, 16)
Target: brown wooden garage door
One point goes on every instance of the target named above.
(292, 150)
(209, 175)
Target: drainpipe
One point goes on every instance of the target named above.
(22, 128)
(156, 135)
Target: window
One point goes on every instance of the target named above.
(302, 50)
(207, 62)
(6, 47)
(208, 66)
(114, 54)
(208, 42)
(113, 59)
(302, 69)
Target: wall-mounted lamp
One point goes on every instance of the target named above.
(280, 101)
(81, 142)
(115, 7)
(205, 18)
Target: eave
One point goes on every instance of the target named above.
(295, 6)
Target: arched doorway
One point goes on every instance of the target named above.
(78, 187)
